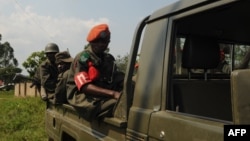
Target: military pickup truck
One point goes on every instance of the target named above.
(181, 92)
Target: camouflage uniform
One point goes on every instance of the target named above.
(88, 105)
(62, 59)
(48, 73)
(61, 91)
(224, 67)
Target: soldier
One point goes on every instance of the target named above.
(48, 72)
(63, 61)
(223, 65)
(94, 84)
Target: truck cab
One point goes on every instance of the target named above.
(181, 92)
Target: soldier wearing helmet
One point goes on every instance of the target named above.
(50, 50)
(48, 72)
(93, 85)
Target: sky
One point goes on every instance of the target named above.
(29, 25)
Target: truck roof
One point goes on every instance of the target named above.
(177, 7)
(223, 15)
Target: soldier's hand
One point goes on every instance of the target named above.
(116, 95)
(43, 94)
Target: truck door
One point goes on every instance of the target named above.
(196, 96)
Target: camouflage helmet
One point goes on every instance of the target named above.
(51, 47)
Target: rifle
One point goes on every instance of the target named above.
(20, 77)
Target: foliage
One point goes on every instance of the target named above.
(122, 62)
(21, 118)
(7, 74)
(7, 55)
(8, 63)
(33, 61)
(240, 52)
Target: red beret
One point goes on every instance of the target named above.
(99, 31)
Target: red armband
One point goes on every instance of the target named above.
(93, 72)
(81, 79)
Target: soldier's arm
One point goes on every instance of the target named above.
(99, 91)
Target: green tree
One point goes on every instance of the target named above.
(8, 63)
(33, 61)
(7, 74)
(7, 56)
(122, 62)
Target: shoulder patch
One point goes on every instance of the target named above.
(84, 57)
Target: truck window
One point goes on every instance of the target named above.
(233, 55)
(199, 86)
(205, 50)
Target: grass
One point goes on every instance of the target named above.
(21, 119)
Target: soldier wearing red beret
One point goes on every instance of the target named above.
(94, 84)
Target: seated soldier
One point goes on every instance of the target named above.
(223, 65)
(94, 84)
(63, 62)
